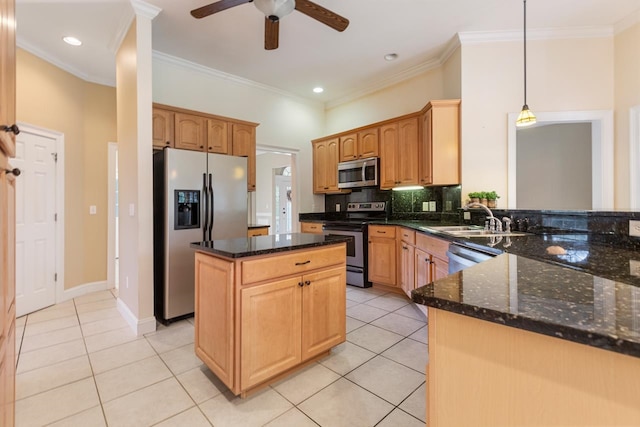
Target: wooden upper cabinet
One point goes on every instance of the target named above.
(7, 76)
(217, 136)
(243, 140)
(359, 145)
(440, 143)
(190, 132)
(399, 153)
(325, 166)
(407, 166)
(349, 147)
(163, 122)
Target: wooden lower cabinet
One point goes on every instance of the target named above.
(254, 324)
(382, 255)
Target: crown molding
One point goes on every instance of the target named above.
(145, 9)
(123, 27)
(627, 22)
(22, 44)
(183, 63)
(476, 37)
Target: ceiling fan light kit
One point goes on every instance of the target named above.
(273, 11)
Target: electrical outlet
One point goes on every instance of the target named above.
(432, 206)
(467, 216)
(92, 209)
(132, 209)
(634, 228)
(634, 268)
(448, 205)
(126, 282)
(425, 206)
(337, 207)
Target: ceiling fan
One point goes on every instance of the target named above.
(274, 10)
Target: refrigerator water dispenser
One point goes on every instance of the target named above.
(187, 209)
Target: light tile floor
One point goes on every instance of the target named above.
(79, 364)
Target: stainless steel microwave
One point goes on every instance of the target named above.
(358, 173)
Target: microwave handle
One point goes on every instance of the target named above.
(364, 166)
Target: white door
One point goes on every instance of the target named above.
(35, 222)
(282, 204)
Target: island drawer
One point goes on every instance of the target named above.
(275, 267)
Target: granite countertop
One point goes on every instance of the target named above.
(263, 245)
(545, 298)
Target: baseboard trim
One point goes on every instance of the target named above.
(87, 288)
(139, 326)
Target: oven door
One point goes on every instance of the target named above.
(355, 253)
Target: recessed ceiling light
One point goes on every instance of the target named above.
(391, 57)
(72, 41)
(318, 89)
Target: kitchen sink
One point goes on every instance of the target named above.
(471, 231)
(454, 228)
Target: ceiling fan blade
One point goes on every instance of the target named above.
(218, 6)
(323, 15)
(271, 34)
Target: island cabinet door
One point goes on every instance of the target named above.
(214, 328)
(323, 311)
(270, 330)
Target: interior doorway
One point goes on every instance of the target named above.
(601, 153)
(113, 258)
(282, 195)
(274, 202)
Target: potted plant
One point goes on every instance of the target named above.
(492, 198)
(483, 197)
(474, 197)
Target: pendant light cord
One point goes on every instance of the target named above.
(525, 52)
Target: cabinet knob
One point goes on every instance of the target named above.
(202, 146)
(307, 282)
(300, 284)
(210, 148)
(168, 143)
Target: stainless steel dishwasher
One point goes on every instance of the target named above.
(461, 257)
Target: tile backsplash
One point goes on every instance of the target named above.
(403, 203)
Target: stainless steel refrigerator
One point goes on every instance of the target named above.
(196, 196)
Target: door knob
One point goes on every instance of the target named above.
(13, 128)
(14, 171)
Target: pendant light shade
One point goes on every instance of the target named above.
(526, 117)
(275, 9)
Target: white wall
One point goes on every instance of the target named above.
(627, 95)
(562, 75)
(285, 121)
(406, 97)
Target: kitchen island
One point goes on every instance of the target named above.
(515, 341)
(268, 305)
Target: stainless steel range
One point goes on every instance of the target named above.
(355, 226)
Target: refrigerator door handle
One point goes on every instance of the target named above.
(212, 205)
(205, 223)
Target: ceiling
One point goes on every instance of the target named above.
(310, 53)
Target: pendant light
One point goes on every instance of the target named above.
(526, 117)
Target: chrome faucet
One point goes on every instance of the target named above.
(495, 225)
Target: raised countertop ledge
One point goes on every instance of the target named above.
(540, 297)
(264, 245)
(252, 226)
